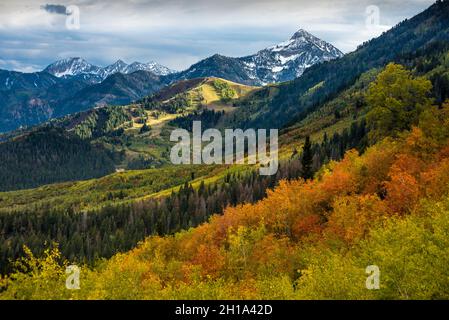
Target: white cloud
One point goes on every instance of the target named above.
(18, 66)
(178, 32)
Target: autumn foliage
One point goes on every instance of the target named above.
(306, 239)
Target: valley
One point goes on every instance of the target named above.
(362, 179)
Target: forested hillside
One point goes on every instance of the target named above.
(50, 155)
(63, 150)
(349, 112)
(112, 206)
(309, 238)
(129, 137)
(29, 99)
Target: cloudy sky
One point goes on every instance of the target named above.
(178, 33)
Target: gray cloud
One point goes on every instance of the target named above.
(55, 8)
(178, 33)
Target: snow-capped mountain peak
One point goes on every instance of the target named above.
(301, 33)
(152, 66)
(118, 66)
(78, 66)
(288, 60)
(71, 67)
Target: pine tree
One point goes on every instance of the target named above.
(307, 159)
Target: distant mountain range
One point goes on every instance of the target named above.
(282, 62)
(31, 98)
(73, 84)
(80, 67)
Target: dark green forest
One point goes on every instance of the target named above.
(50, 155)
(89, 235)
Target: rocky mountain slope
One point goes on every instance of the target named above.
(283, 62)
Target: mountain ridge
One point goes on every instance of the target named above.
(76, 66)
(281, 62)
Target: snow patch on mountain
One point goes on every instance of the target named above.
(71, 67)
(80, 67)
(288, 60)
(282, 62)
